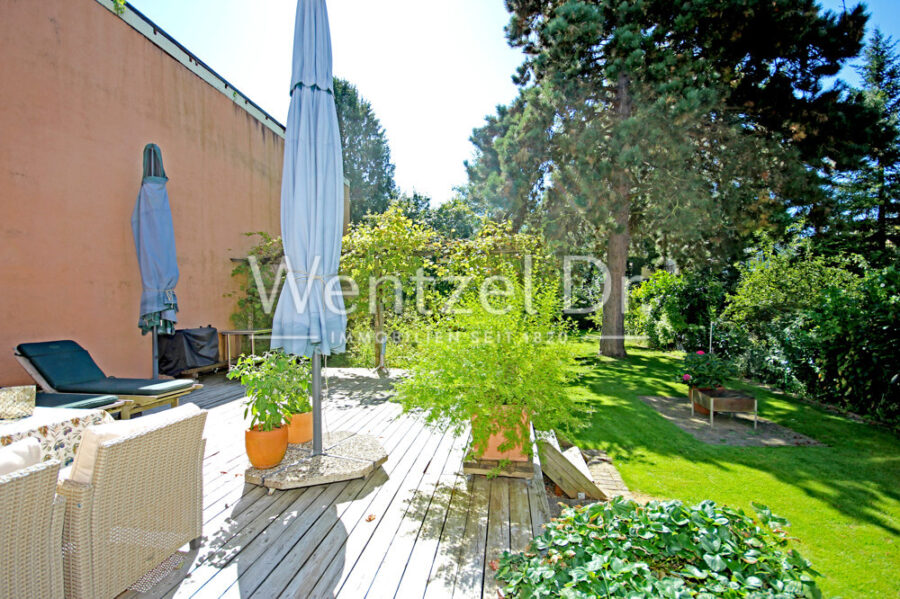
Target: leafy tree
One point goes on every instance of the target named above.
(676, 310)
(768, 311)
(367, 156)
(416, 207)
(455, 219)
(780, 281)
(866, 211)
(664, 115)
(855, 337)
(382, 254)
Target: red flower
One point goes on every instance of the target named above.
(701, 353)
(686, 377)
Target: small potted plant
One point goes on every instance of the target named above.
(276, 387)
(295, 382)
(495, 373)
(705, 373)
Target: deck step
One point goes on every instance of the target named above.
(567, 469)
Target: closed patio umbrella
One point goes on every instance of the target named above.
(310, 319)
(154, 241)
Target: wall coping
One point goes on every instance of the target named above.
(165, 42)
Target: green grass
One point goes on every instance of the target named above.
(842, 499)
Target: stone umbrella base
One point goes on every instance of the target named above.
(346, 456)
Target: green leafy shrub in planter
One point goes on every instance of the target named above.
(277, 386)
(705, 371)
(663, 549)
(480, 363)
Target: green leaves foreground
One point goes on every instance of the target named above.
(663, 549)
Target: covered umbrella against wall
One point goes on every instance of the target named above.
(154, 241)
(310, 319)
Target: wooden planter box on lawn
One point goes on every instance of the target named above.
(722, 401)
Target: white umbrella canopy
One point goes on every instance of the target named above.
(310, 316)
(154, 242)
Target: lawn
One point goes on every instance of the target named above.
(842, 499)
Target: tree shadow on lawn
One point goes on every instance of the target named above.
(857, 468)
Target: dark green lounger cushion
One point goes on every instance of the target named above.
(73, 400)
(62, 363)
(69, 368)
(116, 386)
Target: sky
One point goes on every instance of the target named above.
(432, 69)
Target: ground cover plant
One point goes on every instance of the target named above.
(840, 497)
(663, 549)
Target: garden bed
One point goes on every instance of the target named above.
(734, 430)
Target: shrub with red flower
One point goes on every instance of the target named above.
(705, 371)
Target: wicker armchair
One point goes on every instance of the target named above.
(144, 501)
(31, 533)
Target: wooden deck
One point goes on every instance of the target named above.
(417, 527)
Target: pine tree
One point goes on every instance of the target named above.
(676, 114)
(865, 216)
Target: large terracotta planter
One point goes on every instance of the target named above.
(492, 451)
(266, 449)
(300, 429)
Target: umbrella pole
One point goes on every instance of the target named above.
(317, 402)
(155, 354)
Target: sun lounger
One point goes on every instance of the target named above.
(66, 367)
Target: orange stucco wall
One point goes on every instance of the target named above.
(81, 93)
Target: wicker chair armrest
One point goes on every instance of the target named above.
(59, 513)
(56, 532)
(76, 538)
(31, 553)
(73, 492)
(27, 472)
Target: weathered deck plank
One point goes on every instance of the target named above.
(371, 496)
(387, 519)
(498, 534)
(397, 556)
(424, 546)
(470, 577)
(442, 575)
(520, 532)
(300, 569)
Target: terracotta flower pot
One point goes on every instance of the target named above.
(300, 429)
(266, 449)
(492, 451)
